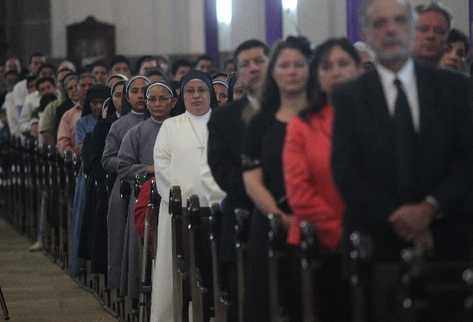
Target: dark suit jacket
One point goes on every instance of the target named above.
(226, 133)
(364, 157)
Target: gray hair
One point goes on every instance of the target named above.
(363, 13)
(363, 47)
(435, 6)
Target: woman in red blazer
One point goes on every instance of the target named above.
(310, 187)
(311, 190)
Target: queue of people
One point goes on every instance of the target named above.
(372, 139)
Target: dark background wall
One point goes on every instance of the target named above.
(24, 28)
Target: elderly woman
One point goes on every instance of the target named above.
(180, 158)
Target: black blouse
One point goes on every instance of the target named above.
(263, 147)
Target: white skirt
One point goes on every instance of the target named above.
(162, 294)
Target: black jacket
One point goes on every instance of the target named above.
(226, 134)
(364, 157)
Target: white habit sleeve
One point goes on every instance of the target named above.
(162, 161)
(212, 191)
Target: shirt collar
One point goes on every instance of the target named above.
(254, 102)
(205, 117)
(405, 74)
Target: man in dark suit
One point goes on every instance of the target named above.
(403, 143)
(433, 24)
(403, 151)
(227, 126)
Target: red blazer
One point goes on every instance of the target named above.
(310, 187)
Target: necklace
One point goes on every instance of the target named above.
(201, 146)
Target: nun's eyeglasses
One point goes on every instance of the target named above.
(161, 99)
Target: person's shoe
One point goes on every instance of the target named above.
(38, 246)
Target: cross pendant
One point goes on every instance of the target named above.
(201, 148)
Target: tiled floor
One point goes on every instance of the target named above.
(36, 290)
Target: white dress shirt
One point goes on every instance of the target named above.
(30, 104)
(407, 77)
(254, 102)
(20, 91)
(13, 114)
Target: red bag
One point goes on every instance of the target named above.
(141, 207)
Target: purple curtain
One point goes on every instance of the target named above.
(211, 29)
(352, 20)
(471, 22)
(273, 21)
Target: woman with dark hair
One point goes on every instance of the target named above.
(94, 100)
(236, 89)
(310, 187)
(90, 113)
(84, 226)
(110, 112)
(284, 95)
(180, 158)
(95, 231)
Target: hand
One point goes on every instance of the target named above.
(410, 221)
(286, 220)
(150, 169)
(424, 241)
(104, 112)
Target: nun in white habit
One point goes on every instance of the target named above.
(180, 158)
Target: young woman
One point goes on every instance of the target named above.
(235, 88)
(310, 187)
(284, 95)
(91, 112)
(92, 150)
